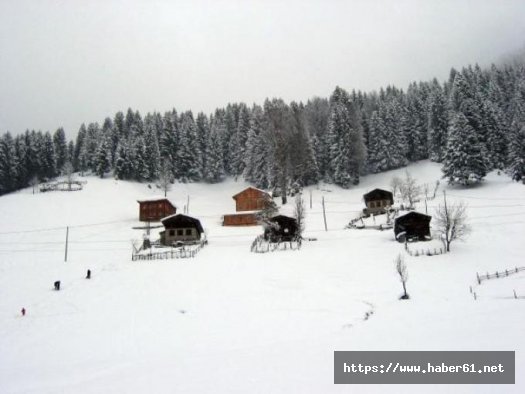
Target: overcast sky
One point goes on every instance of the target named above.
(67, 62)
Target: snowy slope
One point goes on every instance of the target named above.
(233, 321)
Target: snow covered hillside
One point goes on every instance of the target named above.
(232, 321)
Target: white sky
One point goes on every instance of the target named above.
(67, 62)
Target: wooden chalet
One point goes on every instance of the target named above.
(180, 228)
(377, 201)
(251, 199)
(280, 228)
(412, 226)
(153, 209)
(249, 202)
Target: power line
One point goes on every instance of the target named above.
(64, 227)
(486, 198)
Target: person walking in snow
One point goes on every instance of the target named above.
(23, 311)
(88, 276)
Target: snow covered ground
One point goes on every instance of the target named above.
(232, 321)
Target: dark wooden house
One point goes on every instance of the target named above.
(249, 203)
(377, 201)
(180, 228)
(412, 226)
(280, 228)
(153, 209)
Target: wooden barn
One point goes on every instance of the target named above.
(280, 228)
(249, 202)
(412, 226)
(180, 228)
(251, 199)
(377, 201)
(153, 209)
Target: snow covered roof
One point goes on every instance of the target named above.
(180, 220)
(156, 198)
(378, 194)
(254, 188)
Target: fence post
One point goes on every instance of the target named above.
(475, 297)
(479, 280)
(515, 296)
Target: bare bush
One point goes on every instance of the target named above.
(451, 222)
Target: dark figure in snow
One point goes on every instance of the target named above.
(23, 311)
(57, 285)
(88, 276)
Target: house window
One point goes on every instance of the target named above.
(188, 231)
(180, 232)
(172, 233)
(372, 204)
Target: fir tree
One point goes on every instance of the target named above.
(190, 156)
(203, 134)
(463, 162)
(214, 170)
(347, 149)
(103, 156)
(238, 141)
(47, 157)
(152, 152)
(8, 164)
(517, 152)
(59, 140)
(123, 161)
(437, 123)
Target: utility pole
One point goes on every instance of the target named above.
(310, 198)
(67, 242)
(188, 205)
(324, 216)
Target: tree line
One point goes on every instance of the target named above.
(472, 123)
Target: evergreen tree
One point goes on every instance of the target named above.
(168, 140)
(190, 156)
(152, 151)
(437, 123)
(8, 164)
(496, 134)
(517, 152)
(203, 135)
(214, 170)
(238, 141)
(79, 159)
(463, 162)
(59, 140)
(22, 170)
(123, 161)
(347, 149)
(103, 156)
(317, 113)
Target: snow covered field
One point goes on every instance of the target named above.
(232, 321)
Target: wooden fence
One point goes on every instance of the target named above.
(500, 274)
(260, 245)
(183, 252)
(424, 251)
(63, 186)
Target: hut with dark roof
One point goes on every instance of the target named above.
(377, 201)
(180, 228)
(412, 226)
(280, 228)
